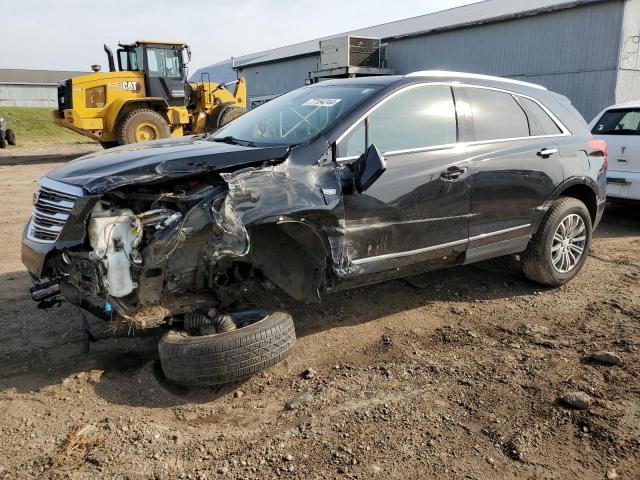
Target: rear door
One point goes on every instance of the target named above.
(515, 167)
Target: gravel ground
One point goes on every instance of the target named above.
(469, 373)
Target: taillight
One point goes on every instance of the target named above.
(599, 147)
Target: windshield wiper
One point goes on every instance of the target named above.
(234, 141)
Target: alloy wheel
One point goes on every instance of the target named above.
(569, 242)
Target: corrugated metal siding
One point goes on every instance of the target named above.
(277, 78)
(28, 96)
(573, 52)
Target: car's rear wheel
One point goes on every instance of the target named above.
(560, 247)
(203, 360)
(11, 137)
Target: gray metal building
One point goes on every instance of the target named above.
(588, 50)
(31, 88)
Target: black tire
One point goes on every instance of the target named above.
(537, 263)
(11, 137)
(3, 142)
(107, 145)
(226, 357)
(156, 123)
(222, 116)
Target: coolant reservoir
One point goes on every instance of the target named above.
(111, 237)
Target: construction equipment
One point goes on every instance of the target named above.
(146, 98)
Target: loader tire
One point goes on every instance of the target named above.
(223, 116)
(142, 125)
(11, 137)
(107, 145)
(3, 142)
(226, 357)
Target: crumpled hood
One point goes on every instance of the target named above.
(153, 161)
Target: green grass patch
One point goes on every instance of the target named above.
(36, 125)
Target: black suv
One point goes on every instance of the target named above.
(330, 186)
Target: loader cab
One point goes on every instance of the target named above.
(164, 67)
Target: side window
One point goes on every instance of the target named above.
(618, 122)
(353, 145)
(416, 118)
(496, 115)
(419, 117)
(540, 123)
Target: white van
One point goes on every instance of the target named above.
(619, 126)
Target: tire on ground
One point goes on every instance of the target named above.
(3, 141)
(226, 357)
(11, 137)
(537, 264)
(157, 125)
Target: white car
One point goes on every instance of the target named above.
(619, 126)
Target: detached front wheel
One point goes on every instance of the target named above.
(205, 360)
(560, 247)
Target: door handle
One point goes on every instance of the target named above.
(547, 152)
(453, 173)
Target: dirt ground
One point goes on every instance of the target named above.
(456, 376)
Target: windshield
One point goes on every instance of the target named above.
(297, 116)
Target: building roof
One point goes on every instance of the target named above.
(38, 77)
(221, 72)
(487, 11)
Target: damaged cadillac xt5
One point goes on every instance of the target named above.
(331, 186)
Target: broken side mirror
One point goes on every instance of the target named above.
(368, 169)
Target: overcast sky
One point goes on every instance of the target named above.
(68, 34)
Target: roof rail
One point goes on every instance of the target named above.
(477, 76)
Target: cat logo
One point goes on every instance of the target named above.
(130, 86)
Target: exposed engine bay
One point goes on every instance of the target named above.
(155, 251)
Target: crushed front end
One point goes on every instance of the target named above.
(140, 253)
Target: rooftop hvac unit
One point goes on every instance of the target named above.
(350, 51)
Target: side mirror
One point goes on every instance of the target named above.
(368, 169)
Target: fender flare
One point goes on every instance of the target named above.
(563, 187)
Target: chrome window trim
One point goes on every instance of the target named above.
(565, 131)
(389, 256)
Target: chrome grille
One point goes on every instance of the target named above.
(53, 204)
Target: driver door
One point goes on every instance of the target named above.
(418, 210)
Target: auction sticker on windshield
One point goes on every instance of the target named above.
(322, 102)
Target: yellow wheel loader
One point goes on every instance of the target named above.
(146, 98)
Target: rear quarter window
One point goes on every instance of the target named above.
(540, 123)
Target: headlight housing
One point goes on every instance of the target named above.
(95, 97)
